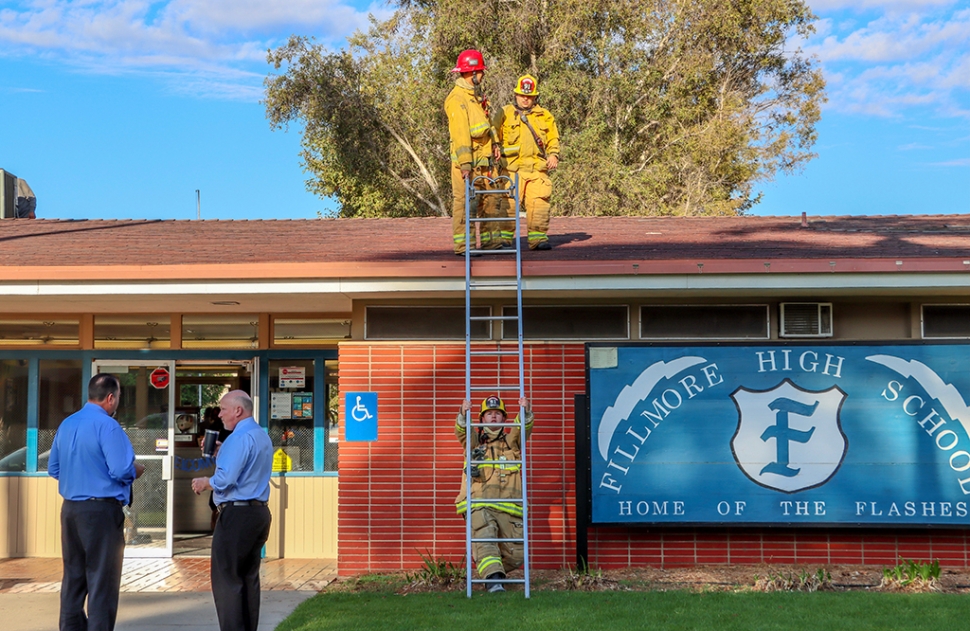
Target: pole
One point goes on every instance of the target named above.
(198, 204)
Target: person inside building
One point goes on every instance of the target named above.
(472, 151)
(241, 490)
(211, 420)
(26, 200)
(93, 461)
(530, 147)
(497, 519)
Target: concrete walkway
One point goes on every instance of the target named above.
(156, 594)
(145, 611)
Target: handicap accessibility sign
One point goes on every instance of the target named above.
(281, 462)
(360, 416)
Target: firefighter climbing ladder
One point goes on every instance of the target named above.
(503, 187)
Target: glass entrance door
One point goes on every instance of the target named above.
(147, 414)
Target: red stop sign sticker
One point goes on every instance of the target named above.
(159, 378)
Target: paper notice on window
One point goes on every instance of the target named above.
(281, 405)
(292, 377)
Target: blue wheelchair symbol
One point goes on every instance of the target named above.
(360, 410)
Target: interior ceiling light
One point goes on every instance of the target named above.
(225, 303)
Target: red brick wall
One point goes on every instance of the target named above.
(397, 494)
(677, 547)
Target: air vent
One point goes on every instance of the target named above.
(806, 319)
(8, 195)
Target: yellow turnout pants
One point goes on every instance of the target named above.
(496, 557)
(535, 189)
(487, 206)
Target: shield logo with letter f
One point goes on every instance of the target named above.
(789, 439)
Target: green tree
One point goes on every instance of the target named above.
(664, 106)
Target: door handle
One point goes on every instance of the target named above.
(167, 467)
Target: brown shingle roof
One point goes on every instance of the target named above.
(580, 244)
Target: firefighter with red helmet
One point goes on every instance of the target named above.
(530, 147)
(472, 152)
(496, 482)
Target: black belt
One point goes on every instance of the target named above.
(222, 506)
(110, 500)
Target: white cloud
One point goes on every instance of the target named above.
(893, 38)
(822, 6)
(896, 60)
(261, 16)
(913, 146)
(961, 162)
(224, 41)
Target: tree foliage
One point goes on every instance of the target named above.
(663, 106)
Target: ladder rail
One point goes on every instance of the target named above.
(468, 385)
(472, 193)
(524, 478)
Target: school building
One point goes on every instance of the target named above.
(706, 390)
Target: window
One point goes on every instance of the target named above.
(46, 333)
(946, 321)
(60, 396)
(568, 323)
(715, 322)
(143, 331)
(303, 332)
(292, 405)
(220, 331)
(806, 319)
(424, 323)
(331, 450)
(13, 414)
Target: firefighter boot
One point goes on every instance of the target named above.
(495, 587)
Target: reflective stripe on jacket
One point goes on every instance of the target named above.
(469, 128)
(497, 481)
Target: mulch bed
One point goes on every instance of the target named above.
(697, 578)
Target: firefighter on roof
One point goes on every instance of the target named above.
(530, 147)
(472, 153)
(497, 519)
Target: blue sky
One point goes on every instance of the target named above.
(124, 108)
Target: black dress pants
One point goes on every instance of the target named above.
(93, 549)
(237, 544)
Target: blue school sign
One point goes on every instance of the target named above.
(788, 435)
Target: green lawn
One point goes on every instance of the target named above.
(629, 611)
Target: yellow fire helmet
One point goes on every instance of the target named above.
(493, 403)
(527, 85)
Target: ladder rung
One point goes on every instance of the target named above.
(489, 219)
(507, 388)
(494, 318)
(493, 353)
(492, 191)
(495, 251)
(486, 500)
(498, 580)
(493, 283)
(487, 461)
(490, 540)
(500, 462)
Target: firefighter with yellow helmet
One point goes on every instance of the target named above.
(472, 152)
(496, 519)
(530, 147)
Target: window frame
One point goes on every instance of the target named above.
(766, 306)
(922, 321)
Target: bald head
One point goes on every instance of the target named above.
(234, 406)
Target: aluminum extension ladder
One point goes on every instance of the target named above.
(502, 186)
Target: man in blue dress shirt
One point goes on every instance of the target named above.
(94, 464)
(240, 488)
